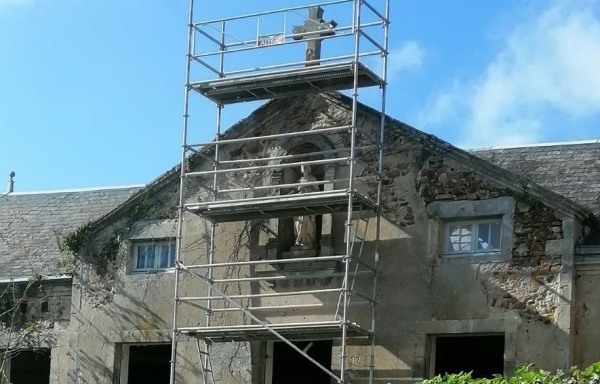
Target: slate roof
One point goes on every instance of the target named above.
(29, 223)
(567, 175)
(569, 169)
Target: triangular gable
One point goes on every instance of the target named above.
(395, 131)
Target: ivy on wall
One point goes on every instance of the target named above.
(73, 242)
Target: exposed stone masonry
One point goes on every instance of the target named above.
(440, 181)
(534, 225)
(528, 282)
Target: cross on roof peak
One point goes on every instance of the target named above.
(313, 28)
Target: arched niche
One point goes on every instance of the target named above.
(281, 235)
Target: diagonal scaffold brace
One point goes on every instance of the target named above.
(259, 321)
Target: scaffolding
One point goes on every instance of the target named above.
(214, 72)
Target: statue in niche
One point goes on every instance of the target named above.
(305, 227)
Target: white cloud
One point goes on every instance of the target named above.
(548, 64)
(409, 56)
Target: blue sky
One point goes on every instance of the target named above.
(91, 90)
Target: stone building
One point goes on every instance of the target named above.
(36, 277)
(489, 259)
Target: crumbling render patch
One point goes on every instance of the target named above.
(527, 281)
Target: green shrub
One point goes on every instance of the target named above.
(527, 374)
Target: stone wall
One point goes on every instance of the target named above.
(112, 306)
(36, 315)
(443, 180)
(528, 282)
(587, 313)
(535, 225)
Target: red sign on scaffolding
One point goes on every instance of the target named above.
(263, 41)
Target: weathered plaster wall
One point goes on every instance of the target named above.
(526, 284)
(40, 321)
(112, 306)
(420, 293)
(587, 313)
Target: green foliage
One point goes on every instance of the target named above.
(66, 263)
(74, 241)
(525, 375)
(108, 253)
(27, 335)
(141, 209)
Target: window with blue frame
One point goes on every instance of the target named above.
(152, 256)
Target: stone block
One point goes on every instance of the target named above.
(445, 197)
(298, 253)
(483, 194)
(522, 207)
(321, 266)
(522, 250)
(555, 247)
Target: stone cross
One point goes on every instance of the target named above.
(313, 27)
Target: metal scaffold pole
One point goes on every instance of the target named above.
(181, 208)
(379, 185)
(213, 226)
(351, 166)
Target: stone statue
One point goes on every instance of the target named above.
(305, 227)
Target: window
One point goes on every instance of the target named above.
(153, 255)
(142, 363)
(30, 366)
(473, 236)
(284, 365)
(482, 355)
(471, 231)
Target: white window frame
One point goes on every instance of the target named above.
(145, 243)
(439, 212)
(475, 223)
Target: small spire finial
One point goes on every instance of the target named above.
(11, 183)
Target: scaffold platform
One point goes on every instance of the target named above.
(298, 331)
(280, 206)
(285, 83)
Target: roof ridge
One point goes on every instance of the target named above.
(551, 144)
(72, 190)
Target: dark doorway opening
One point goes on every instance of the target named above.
(290, 367)
(149, 364)
(28, 367)
(481, 355)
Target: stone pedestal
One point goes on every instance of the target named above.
(326, 245)
(299, 252)
(323, 269)
(272, 249)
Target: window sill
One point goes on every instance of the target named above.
(474, 258)
(153, 272)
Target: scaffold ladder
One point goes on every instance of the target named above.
(208, 376)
